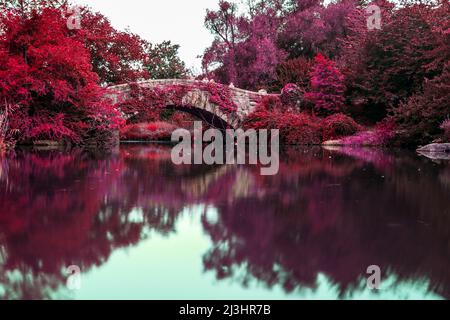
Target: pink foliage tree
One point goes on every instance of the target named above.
(327, 84)
(311, 27)
(245, 50)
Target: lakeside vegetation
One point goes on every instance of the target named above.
(337, 78)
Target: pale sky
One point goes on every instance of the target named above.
(180, 21)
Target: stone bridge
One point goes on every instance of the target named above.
(197, 100)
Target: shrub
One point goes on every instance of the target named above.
(338, 126)
(295, 128)
(298, 128)
(301, 129)
(295, 71)
(327, 84)
(147, 131)
(382, 135)
(8, 136)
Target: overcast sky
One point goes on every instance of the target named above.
(180, 21)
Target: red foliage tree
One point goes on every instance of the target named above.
(116, 56)
(47, 74)
(163, 61)
(327, 84)
(338, 126)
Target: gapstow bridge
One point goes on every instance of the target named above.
(196, 99)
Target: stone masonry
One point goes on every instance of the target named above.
(245, 101)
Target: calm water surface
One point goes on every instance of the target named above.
(141, 228)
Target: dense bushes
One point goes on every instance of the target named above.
(303, 128)
(381, 135)
(295, 128)
(338, 126)
(6, 135)
(419, 119)
(299, 128)
(148, 131)
(396, 70)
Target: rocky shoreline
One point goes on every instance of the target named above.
(436, 151)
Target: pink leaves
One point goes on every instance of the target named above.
(244, 51)
(221, 96)
(224, 5)
(339, 125)
(52, 128)
(48, 73)
(15, 78)
(327, 85)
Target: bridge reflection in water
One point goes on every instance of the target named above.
(326, 217)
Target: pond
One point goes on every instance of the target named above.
(139, 227)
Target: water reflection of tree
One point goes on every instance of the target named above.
(337, 222)
(60, 209)
(335, 212)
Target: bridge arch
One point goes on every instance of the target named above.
(205, 115)
(218, 104)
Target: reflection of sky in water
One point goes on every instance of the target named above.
(170, 267)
